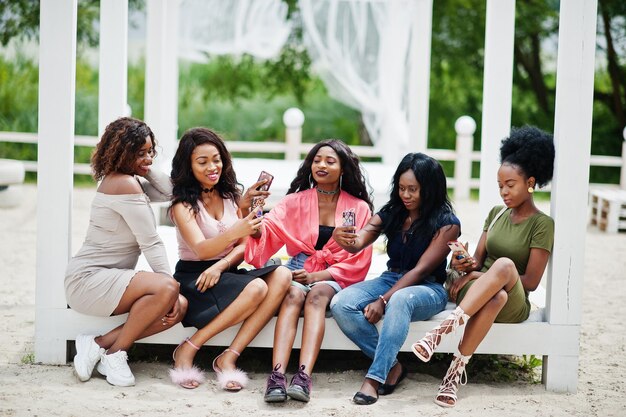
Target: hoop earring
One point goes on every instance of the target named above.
(531, 190)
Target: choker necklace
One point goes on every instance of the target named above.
(207, 190)
(328, 192)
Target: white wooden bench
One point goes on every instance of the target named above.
(535, 336)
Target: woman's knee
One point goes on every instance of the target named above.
(317, 299)
(281, 277)
(167, 288)
(500, 299)
(504, 267)
(183, 303)
(294, 297)
(256, 289)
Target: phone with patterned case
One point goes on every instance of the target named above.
(257, 203)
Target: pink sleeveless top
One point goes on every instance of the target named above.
(210, 228)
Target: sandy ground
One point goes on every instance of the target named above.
(29, 389)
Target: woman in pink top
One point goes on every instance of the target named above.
(211, 238)
(328, 183)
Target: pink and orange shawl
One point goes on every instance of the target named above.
(294, 222)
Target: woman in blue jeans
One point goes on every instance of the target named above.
(417, 221)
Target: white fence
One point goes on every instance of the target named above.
(293, 148)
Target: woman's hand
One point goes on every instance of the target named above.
(454, 289)
(252, 193)
(209, 278)
(174, 315)
(302, 276)
(463, 263)
(374, 311)
(345, 236)
(246, 226)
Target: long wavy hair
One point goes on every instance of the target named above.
(434, 202)
(186, 188)
(117, 149)
(353, 181)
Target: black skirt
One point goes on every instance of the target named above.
(205, 306)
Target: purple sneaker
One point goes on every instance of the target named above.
(275, 391)
(300, 387)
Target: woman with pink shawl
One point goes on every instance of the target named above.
(329, 188)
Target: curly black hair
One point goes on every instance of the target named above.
(353, 181)
(186, 188)
(117, 149)
(434, 202)
(531, 150)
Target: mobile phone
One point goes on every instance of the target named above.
(456, 246)
(348, 218)
(257, 203)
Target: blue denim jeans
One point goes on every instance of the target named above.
(417, 302)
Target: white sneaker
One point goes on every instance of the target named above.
(88, 354)
(115, 368)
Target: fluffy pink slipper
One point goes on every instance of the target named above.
(189, 378)
(230, 379)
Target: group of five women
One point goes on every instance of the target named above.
(217, 230)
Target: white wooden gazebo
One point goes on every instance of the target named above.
(56, 324)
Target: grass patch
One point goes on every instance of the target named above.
(28, 359)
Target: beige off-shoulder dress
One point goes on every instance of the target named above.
(121, 227)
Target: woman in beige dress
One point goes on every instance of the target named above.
(100, 279)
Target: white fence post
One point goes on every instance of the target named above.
(465, 127)
(622, 181)
(293, 118)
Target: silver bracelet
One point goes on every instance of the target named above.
(383, 298)
(228, 262)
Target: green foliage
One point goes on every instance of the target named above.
(245, 98)
(28, 359)
(19, 19)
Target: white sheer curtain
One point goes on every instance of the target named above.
(233, 27)
(361, 50)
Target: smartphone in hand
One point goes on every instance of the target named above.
(257, 203)
(456, 246)
(348, 218)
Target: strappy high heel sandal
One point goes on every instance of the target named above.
(189, 378)
(232, 379)
(429, 343)
(455, 376)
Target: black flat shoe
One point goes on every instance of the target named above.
(386, 389)
(363, 399)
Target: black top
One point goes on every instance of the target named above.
(406, 249)
(325, 233)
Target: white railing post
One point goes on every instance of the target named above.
(622, 181)
(465, 127)
(293, 118)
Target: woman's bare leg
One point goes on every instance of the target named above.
(501, 275)
(314, 324)
(148, 297)
(286, 326)
(106, 340)
(241, 308)
(278, 282)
